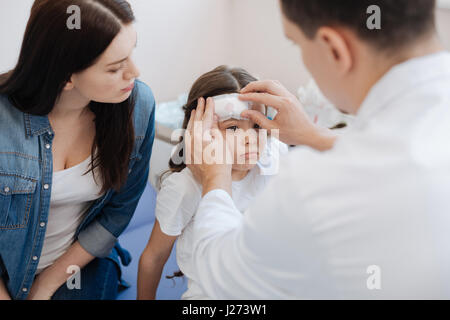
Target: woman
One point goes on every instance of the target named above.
(76, 133)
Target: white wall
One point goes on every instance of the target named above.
(179, 40)
(13, 19)
(443, 26)
(444, 3)
(260, 44)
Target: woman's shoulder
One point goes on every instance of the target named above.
(144, 107)
(9, 115)
(144, 94)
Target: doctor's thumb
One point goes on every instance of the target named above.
(258, 118)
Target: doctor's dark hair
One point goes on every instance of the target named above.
(51, 53)
(402, 21)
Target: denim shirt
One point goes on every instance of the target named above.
(26, 169)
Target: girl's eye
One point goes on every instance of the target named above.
(234, 128)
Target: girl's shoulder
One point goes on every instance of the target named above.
(183, 183)
(177, 201)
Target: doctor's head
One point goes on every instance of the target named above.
(348, 45)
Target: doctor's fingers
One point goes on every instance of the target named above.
(260, 119)
(267, 99)
(267, 86)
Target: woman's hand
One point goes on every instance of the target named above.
(54, 276)
(295, 128)
(41, 289)
(208, 155)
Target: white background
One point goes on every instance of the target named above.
(444, 3)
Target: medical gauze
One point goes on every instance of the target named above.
(228, 106)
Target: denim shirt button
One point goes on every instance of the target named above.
(24, 289)
(46, 186)
(47, 146)
(7, 189)
(35, 258)
(42, 224)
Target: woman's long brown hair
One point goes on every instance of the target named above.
(51, 53)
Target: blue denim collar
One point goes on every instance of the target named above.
(36, 125)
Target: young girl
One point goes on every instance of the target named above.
(180, 193)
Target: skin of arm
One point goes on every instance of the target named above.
(152, 262)
(49, 280)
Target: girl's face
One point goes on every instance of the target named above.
(111, 79)
(248, 144)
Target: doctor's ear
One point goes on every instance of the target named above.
(337, 49)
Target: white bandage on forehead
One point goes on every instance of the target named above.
(228, 106)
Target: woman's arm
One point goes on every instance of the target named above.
(47, 282)
(4, 295)
(152, 262)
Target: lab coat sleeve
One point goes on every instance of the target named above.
(226, 263)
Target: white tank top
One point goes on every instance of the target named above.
(72, 195)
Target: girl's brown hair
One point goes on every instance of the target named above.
(51, 53)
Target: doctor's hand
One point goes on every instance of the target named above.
(207, 153)
(294, 125)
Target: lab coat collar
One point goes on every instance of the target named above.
(401, 79)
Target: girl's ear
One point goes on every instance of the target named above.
(338, 52)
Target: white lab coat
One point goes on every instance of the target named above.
(368, 219)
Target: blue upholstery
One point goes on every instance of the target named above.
(134, 239)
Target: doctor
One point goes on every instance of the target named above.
(365, 215)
